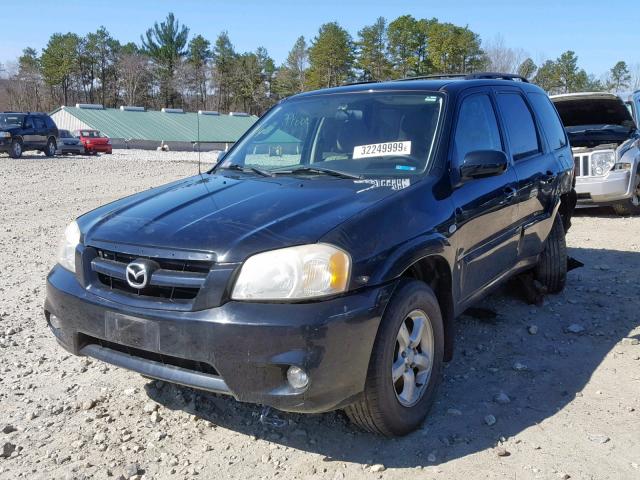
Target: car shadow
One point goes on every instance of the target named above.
(598, 212)
(541, 373)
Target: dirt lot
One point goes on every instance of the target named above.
(538, 392)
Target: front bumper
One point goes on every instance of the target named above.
(249, 345)
(98, 148)
(77, 149)
(614, 186)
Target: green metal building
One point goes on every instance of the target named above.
(135, 127)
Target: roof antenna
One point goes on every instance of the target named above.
(198, 117)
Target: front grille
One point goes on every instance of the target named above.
(582, 165)
(176, 280)
(193, 365)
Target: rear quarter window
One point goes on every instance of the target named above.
(549, 119)
(520, 126)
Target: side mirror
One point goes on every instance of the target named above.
(483, 163)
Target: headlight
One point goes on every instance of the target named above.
(67, 255)
(5, 134)
(601, 162)
(305, 271)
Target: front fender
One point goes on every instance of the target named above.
(402, 257)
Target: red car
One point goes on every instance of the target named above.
(94, 141)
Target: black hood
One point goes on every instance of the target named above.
(233, 217)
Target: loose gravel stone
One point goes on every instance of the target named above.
(575, 328)
(7, 449)
(502, 452)
(598, 438)
(8, 429)
(501, 398)
(490, 420)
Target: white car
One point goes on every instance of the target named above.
(606, 149)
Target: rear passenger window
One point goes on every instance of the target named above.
(519, 124)
(549, 119)
(477, 127)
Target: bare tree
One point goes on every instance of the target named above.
(635, 76)
(501, 58)
(134, 73)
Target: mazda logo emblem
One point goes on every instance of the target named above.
(139, 272)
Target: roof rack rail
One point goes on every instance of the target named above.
(496, 76)
(435, 76)
(469, 76)
(361, 82)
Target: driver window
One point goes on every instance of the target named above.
(477, 127)
(28, 123)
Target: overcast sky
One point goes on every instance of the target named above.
(601, 33)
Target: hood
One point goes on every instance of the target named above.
(233, 217)
(581, 109)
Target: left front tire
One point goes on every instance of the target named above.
(405, 365)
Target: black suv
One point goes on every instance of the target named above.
(322, 262)
(23, 131)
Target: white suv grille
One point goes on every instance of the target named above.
(583, 164)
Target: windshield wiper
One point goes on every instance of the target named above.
(320, 170)
(239, 168)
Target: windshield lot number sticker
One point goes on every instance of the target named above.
(380, 149)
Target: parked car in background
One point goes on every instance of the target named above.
(68, 143)
(94, 141)
(327, 275)
(605, 143)
(633, 104)
(27, 131)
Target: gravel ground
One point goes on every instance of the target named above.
(538, 392)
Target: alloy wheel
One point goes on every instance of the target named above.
(413, 358)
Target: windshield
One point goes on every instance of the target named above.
(356, 133)
(8, 120)
(90, 133)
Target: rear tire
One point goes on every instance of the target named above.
(631, 206)
(16, 149)
(551, 270)
(51, 148)
(382, 409)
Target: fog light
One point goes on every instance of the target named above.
(54, 321)
(297, 377)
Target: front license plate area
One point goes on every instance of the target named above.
(132, 331)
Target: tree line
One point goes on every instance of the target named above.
(169, 67)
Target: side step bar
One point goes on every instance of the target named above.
(160, 371)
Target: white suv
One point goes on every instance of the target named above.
(606, 149)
